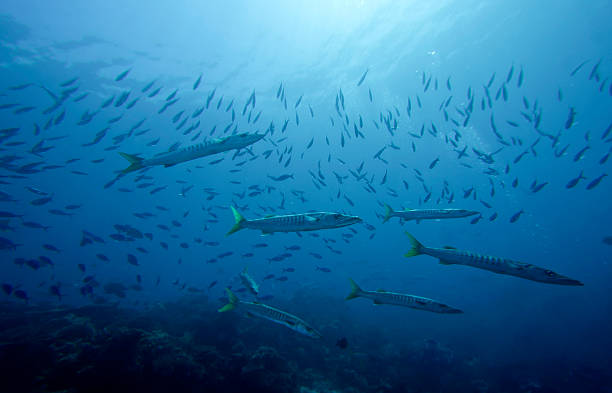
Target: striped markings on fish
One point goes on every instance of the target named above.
(452, 256)
(426, 214)
(193, 152)
(399, 299)
(270, 313)
(293, 222)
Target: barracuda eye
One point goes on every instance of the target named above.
(550, 273)
(337, 216)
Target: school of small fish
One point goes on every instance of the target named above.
(105, 124)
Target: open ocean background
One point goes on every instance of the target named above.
(85, 317)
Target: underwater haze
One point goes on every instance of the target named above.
(305, 196)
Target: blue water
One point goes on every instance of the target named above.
(319, 51)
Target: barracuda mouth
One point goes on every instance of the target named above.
(348, 220)
(252, 138)
(569, 281)
(249, 139)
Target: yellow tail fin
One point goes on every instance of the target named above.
(238, 225)
(416, 246)
(233, 300)
(355, 290)
(135, 162)
(388, 213)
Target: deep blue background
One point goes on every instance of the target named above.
(315, 50)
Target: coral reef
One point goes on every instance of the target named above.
(171, 348)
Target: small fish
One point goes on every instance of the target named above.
(7, 289)
(595, 182)
(132, 260)
(197, 82)
(58, 212)
(293, 248)
(516, 216)
(570, 118)
(122, 75)
(41, 201)
(55, 291)
(281, 177)
(248, 282)
(51, 247)
(102, 257)
(574, 182)
(537, 187)
(580, 154)
(575, 70)
(21, 294)
(363, 77)
(342, 343)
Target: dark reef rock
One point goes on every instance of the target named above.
(171, 348)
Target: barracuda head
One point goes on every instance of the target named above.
(443, 308)
(466, 213)
(550, 277)
(336, 220)
(243, 140)
(307, 330)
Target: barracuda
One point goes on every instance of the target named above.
(452, 256)
(426, 214)
(270, 313)
(293, 222)
(399, 299)
(192, 152)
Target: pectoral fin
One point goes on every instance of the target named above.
(445, 262)
(377, 302)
